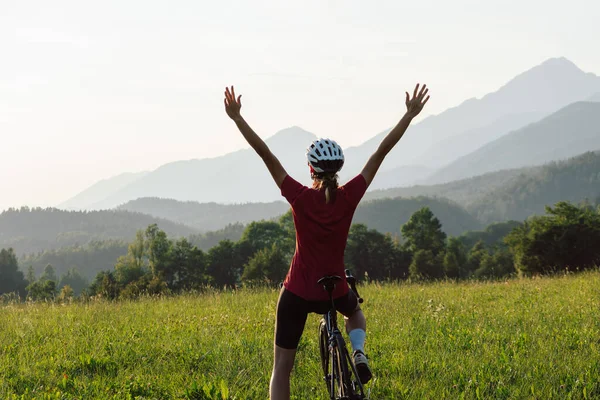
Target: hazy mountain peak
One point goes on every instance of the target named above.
(559, 62)
(292, 135)
(101, 189)
(561, 66)
(546, 76)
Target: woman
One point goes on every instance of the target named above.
(322, 217)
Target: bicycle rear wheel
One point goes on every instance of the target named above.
(324, 349)
(344, 377)
(332, 362)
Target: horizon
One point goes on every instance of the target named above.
(94, 91)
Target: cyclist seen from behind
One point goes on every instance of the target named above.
(322, 217)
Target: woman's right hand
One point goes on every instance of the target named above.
(415, 104)
(232, 105)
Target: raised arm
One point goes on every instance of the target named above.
(414, 106)
(232, 108)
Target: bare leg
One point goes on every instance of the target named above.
(356, 321)
(282, 368)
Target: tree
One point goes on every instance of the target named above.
(42, 290)
(369, 253)
(224, 264)
(499, 264)
(49, 274)
(133, 266)
(493, 235)
(567, 237)
(423, 231)
(188, 266)
(158, 247)
(267, 265)
(178, 263)
(11, 279)
(356, 255)
(30, 275)
(76, 282)
(66, 293)
(146, 285)
(127, 270)
(401, 260)
(426, 266)
(137, 250)
(455, 259)
(477, 253)
(105, 285)
(289, 230)
(261, 235)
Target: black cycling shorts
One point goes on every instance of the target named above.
(293, 310)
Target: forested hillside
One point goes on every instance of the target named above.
(101, 255)
(385, 215)
(205, 241)
(29, 230)
(206, 217)
(575, 180)
(464, 191)
(388, 215)
(88, 259)
(518, 193)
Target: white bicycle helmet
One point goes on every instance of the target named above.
(325, 155)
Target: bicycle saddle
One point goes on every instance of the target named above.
(329, 282)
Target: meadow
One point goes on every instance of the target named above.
(519, 339)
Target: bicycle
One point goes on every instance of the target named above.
(339, 370)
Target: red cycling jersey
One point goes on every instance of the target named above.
(321, 235)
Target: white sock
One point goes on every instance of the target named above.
(357, 339)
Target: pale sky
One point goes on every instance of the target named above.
(92, 89)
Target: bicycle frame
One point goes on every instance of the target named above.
(338, 356)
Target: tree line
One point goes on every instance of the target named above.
(567, 238)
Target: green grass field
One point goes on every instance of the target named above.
(521, 339)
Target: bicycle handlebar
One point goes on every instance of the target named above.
(352, 282)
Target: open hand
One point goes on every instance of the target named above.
(415, 104)
(232, 105)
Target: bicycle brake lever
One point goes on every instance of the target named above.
(352, 282)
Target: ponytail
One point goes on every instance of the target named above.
(328, 182)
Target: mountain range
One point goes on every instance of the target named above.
(452, 145)
(526, 98)
(465, 205)
(570, 131)
(237, 177)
